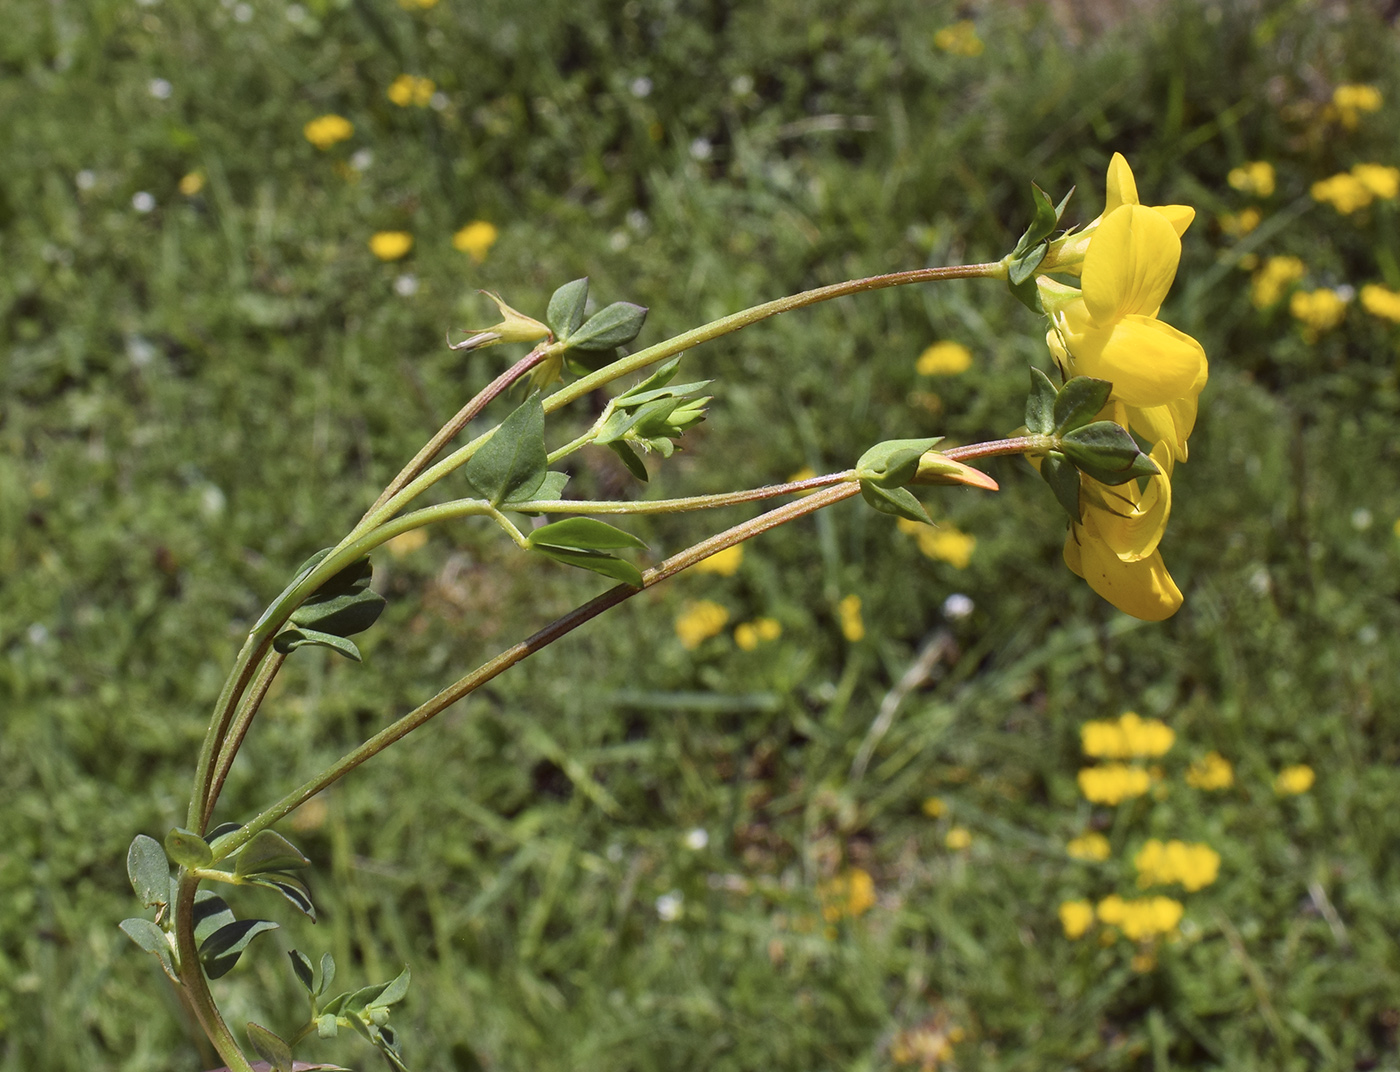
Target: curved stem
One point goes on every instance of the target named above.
(238, 729)
(195, 985)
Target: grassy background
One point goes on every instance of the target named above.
(194, 398)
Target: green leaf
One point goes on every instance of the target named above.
(270, 1047)
(565, 312)
(680, 391)
(897, 501)
(221, 950)
(1028, 294)
(149, 871)
(220, 831)
(288, 640)
(1063, 479)
(619, 323)
(1107, 452)
(551, 487)
(512, 463)
(327, 973)
(630, 458)
(385, 1040)
(344, 605)
(268, 851)
(583, 533)
(623, 420)
(290, 887)
(660, 378)
(211, 913)
(188, 849)
(395, 990)
(892, 464)
(1022, 268)
(607, 565)
(152, 939)
(301, 964)
(1040, 404)
(1079, 402)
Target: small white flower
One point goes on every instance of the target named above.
(142, 202)
(701, 149)
(85, 179)
(406, 285)
(439, 101)
(641, 87)
(1361, 519)
(243, 13)
(957, 606)
(618, 241)
(159, 88)
(39, 634)
(697, 839)
(669, 905)
(361, 159)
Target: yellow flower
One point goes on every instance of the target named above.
(1211, 771)
(1076, 917)
(1351, 100)
(699, 621)
(959, 838)
(1378, 301)
(390, 245)
(1237, 225)
(326, 130)
(1256, 177)
(1382, 182)
(420, 5)
(1319, 310)
(476, 239)
(943, 543)
(405, 543)
(750, 635)
(944, 359)
(1294, 780)
(1159, 863)
(1344, 192)
(1113, 783)
(960, 39)
(934, 807)
(1130, 736)
(850, 895)
(1089, 847)
(408, 89)
(725, 563)
(852, 625)
(1269, 282)
(192, 183)
(1140, 919)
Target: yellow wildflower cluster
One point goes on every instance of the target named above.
(326, 130)
(1272, 278)
(1211, 771)
(960, 39)
(1255, 177)
(1129, 737)
(942, 543)
(958, 838)
(1143, 918)
(1113, 783)
(749, 635)
(1239, 224)
(1294, 780)
(944, 359)
(476, 239)
(847, 896)
(1319, 310)
(1351, 190)
(927, 1045)
(192, 183)
(1091, 846)
(1160, 863)
(852, 624)
(1349, 101)
(934, 807)
(390, 245)
(699, 621)
(725, 563)
(1378, 301)
(409, 89)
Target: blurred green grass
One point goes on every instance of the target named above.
(196, 396)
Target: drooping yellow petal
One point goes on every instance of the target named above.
(1179, 216)
(1130, 522)
(1130, 264)
(1148, 362)
(1121, 188)
(1143, 589)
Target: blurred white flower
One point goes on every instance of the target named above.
(141, 201)
(159, 88)
(957, 606)
(697, 839)
(669, 905)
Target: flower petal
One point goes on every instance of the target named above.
(1121, 187)
(1130, 522)
(1148, 362)
(1143, 589)
(1130, 264)
(1179, 216)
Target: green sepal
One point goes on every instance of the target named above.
(660, 378)
(607, 565)
(609, 327)
(1107, 452)
(288, 640)
(630, 459)
(152, 939)
(188, 849)
(1043, 222)
(565, 312)
(326, 1027)
(268, 851)
(149, 871)
(221, 950)
(301, 966)
(290, 887)
(1040, 404)
(1028, 294)
(893, 463)
(897, 501)
(511, 465)
(1078, 402)
(1059, 472)
(344, 605)
(583, 533)
(270, 1047)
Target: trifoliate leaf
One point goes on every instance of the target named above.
(892, 464)
(268, 851)
(221, 950)
(565, 312)
(152, 939)
(597, 561)
(512, 463)
(897, 501)
(583, 533)
(1107, 453)
(1079, 402)
(610, 327)
(1040, 404)
(149, 871)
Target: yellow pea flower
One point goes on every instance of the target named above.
(944, 358)
(1255, 177)
(960, 39)
(850, 895)
(700, 621)
(1294, 780)
(476, 239)
(959, 838)
(1319, 310)
(1113, 783)
(1379, 301)
(1076, 917)
(725, 563)
(1211, 771)
(324, 131)
(1088, 847)
(390, 245)
(1350, 101)
(1268, 283)
(852, 624)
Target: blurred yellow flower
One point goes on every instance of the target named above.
(847, 895)
(928, 1045)
(1091, 846)
(1159, 863)
(725, 563)
(1239, 224)
(750, 635)
(1348, 191)
(1131, 735)
(192, 183)
(1319, 310)
(1113, 783)
(944, 359)
(943, 543)
(960, 39)
(1142, 918)
(1269, 282)
(1351, 100)
(933, 807)
(1294, 780)
(1378, 301)
(390, 245)
(405, 543)
(325, 131)
(408, 89)
(476, 239)
(852, 624)
(1076, 917)
(1381, 180)
(1256, 177)
(1211, 771)
(959, 838)
(699, 621)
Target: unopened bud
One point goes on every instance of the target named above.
(935, 468)
(514, 327)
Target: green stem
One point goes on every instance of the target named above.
(238, 729)
(195, 985)
(248, 658)
(675, 506)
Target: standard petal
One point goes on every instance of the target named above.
(1130, 264)
(1160, 424)
(1179, 216)
(1143, 589)
(1148, 362)
(1121, 186)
